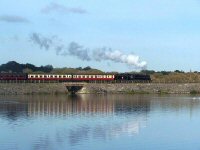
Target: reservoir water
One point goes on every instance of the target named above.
(100, 122)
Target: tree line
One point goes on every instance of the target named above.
(15, 67)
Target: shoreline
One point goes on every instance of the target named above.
(100, 88)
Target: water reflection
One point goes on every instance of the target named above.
(61, 122)
(13, 110)
(69, 106)
(62, 105)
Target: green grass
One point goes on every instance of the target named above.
(194, 92)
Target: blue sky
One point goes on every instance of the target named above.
(164, 34)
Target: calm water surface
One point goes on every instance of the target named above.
(100, 122)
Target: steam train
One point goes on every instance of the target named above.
(74, 77)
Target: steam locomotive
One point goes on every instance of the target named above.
(75, 77)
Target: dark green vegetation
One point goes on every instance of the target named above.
(193, 92)
(14, 67)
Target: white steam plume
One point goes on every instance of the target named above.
(85, 54)
(118, 56)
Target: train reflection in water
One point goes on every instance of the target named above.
(18, 106)
(62, 105)
(81, 105)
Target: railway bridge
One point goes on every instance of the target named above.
(74, 87)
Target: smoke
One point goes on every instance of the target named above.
(118, 56)
(73, 49)
(59, 49)
(43, 42)
(77, 50)
(85, 54)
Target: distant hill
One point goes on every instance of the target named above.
(14, 67)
